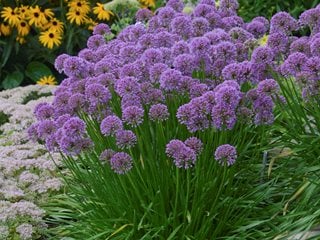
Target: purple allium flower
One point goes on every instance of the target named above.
(262, 55)
(202, 10)
(231, 22)
(182, 26)
(257, 28)
(129, 53)
(121, 163)
(106, 155)
(295, 63)
(74, 145)
(62, 119)
(184, 63)
(177, 5)
(240, 72)
(127, 85)
(208, 2)
(74, 127)
(184, 157)
(101, 29)
(52, 144)
(77, 102)
(268, 86)
(200, 26)
(263, 107)
(225, 51)
(170, 80)
(32, 131)
(165, 16)
(75, 67)
(130, 100)
(133, 115)
(97, 94)
(310, 17)
(262, 20)
(223, 117)
(278, 42)
(229, 5)
(143, 15)
(197, 90)
(130, 70)
(195, 144)
(214, 20)
(110, 125)
(59, 62)
(44, 111)
(152, 56)
(199, 45)
(180, 47)
(226, 154)
(217, 36)
(166, 39)
(88, 55)
(167, 55)
(95, 41)
(315, 47)
(239, 35)
(125, 138)
(46, 128)
(158, 112)
(301, 45)
(283, 22)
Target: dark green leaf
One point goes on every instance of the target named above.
(35, 70)
(12, 80)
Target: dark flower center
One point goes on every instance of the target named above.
(51, 35)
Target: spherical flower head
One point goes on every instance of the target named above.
(77, 102)
(283, 22)
(185, 64)
(156, 70)
(101, 29)
(200, 26)
(95, 41)
(225, 51)
(165, 15)
(262, 55)
(46, 128)
(97, 94)
(223, 117)
(133, 115)
(129, 53)
(158, 112)
(310, 18)
(217, 36)
(44, 111)
(32, 132)
(25, 231)
(278, 42)
(229, 5)
(199, 45)
(184, 157)
(262, 20)
(202, 10)
(195, 144)
(239, 72)
(75, 67)
(226, 154)
(214, 20)
(182, 26)
(170, 80)
(131, 100)
(295, 63)
(263, 107)
(301, 45)
(315, 47)
(88, 55)
(240, 35)
(257, 28)
(231, 22)
(121, 163)
(125, 139)
(143, 15)
(106, 155)
(110, 125)
(177, 5)
(180, 47)
(127, 85)
(74, 127)
(268, 86)
(59, 62)
(152, 56)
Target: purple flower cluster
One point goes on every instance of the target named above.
(226, 154)
(184, 154)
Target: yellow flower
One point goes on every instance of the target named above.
(79, 5)
(50, 38)
(47, 80)
(24, 12)
(263, 41)
(10, 15)
(148, 3)
(37, 17)
(48, 13)
(55, 25)
(5, 29)
(23, 28)
(101, 12)
(21, 39)
(76, 16)
(91, 23)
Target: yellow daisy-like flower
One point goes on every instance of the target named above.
(76, 16)
(37, 17)
(24, 12)
(79, 5)
(5, 29)
(47, 80)
(50, 38)
(101, 13)
(10, 15)
(91, 24)
(55, 25)
(21, 39)
(148, 3)
(23, 28)
(48, 13)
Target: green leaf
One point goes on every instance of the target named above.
(36, 70)
(12, 80)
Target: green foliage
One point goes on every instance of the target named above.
(35, 70)
(34, 96)
(12, 80)
(253, 8)
(4, 118)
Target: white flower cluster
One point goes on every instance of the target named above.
(27, 172)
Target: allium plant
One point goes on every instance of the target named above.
(162, 128)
